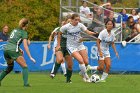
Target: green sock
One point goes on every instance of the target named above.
(25, 75)
(57, 65)
(69, 74)
(2, 75)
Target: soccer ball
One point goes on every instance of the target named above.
(123, 43)
(94, 78)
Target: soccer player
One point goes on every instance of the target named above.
(12, 51)
(105, 38)
(61, 54)
(76, 48)
(54, 35)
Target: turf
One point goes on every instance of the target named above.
(42, 83)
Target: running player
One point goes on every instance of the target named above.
(62, 53)
(76, 48)
(54, 35)
(105, 38)
(12, 51)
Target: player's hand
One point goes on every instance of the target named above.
(28, 42)
(117, 55)
(33, 60)
(80, 40)
(48, 46)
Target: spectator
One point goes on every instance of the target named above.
(95, 8)
(107, 10)
(98, 21)
(3, 34)
(124, 16)
(84, 10)
(134, 15)
(111, 17)
(126, 32)
(138, 25)
(130, 22)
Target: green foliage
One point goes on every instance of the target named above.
(43, 16)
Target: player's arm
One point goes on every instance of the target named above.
(50, 39)
(58, 41)
(90, 32)
(27, 50)
(98, 46)
(114, 48)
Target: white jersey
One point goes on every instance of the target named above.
(73, 34)
(106, 40)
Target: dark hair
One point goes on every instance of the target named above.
(74, 15)
(111, 21)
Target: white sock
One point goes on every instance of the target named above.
(104, 76)
(93, 67)
(53, 68)
(83, 70)
(63, 68)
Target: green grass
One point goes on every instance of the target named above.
(42, 83)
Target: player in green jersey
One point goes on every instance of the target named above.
(12, 51)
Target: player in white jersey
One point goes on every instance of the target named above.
(105, 38)
(54, 35)
(76, 48)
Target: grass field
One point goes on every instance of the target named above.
(42, 83)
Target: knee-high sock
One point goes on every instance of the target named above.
(2, 75)
(83, 71)
(63, 68)
(25, 75)
(56, 67)
(69, 74)
(104, 76)
(53, 68)
(5, 72)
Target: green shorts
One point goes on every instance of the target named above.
(64, 51)
(11, 54)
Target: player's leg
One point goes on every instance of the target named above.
(59, 60)
(107, 64)
(84, 55)
(69, 61)
(10, 63)
(9, 68)
(82, 66)
(63, 66)
(21, 61)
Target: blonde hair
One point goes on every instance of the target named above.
(23, 22)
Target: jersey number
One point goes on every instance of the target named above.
(13, 33)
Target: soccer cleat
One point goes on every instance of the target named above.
(88, 68)
(68, 81)
(86, 80)
(65, 75)
(27, 85)
(52, 75)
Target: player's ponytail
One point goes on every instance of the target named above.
(23, 22)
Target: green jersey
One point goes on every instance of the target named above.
(16, 38)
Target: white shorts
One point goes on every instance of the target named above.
(74, 49)
(104, 56)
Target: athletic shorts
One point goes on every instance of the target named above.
(74, 49)
(104, 56)
(11, 54)
(64, 51)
